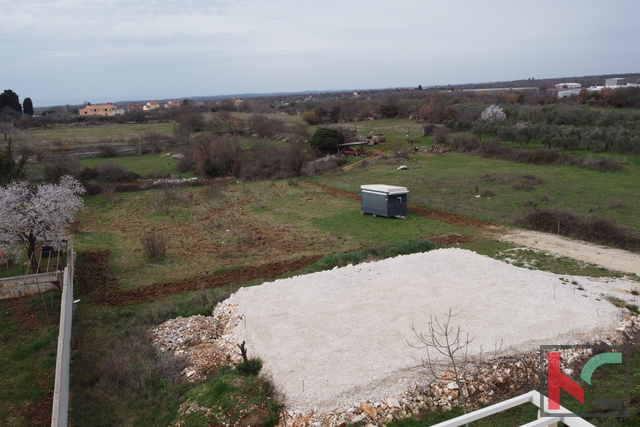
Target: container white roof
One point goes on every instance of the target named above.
(384, 189)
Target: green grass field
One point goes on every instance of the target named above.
(82, 134)
(143, 165)
(247, 224)
(508, 191)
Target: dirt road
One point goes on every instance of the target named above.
(609, 258)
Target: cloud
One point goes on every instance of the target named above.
(272, 45)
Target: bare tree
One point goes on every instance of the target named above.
(447, 349)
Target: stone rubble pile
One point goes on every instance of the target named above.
(438, 149)
(195, 340)
(371, 139)
(179, 333)
(489, 381)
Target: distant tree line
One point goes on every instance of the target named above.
(562, 127)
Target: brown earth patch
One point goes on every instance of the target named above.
(95, 278)
(20, 313)
(38, 413)
(219, 232)
(450, 239)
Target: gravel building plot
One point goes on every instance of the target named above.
(336, 337)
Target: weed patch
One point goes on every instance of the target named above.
(231, 399)
(373, 253)
(623, 304)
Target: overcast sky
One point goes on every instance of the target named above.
(70, 51)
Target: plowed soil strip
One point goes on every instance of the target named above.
(449, 218)
(95, 278)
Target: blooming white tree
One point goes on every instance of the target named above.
(493, 112)
(29, 214)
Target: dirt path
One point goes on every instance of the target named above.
(95, 279)
(609, 258)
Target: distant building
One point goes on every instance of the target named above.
(151, 105)
(564, 92)
(568, 85)
(498, 89)
(616, 81)
(134, 106)
(107, 109)
(173, 104)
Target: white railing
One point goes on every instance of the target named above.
(531, 397)
(60, 410)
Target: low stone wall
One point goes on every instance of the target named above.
(15, 287)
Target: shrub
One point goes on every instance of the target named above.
(216, 156)
(155, 245)
(428, 129)
(152, 142)
(250, 367)
(264, 161)
(265, 127)
(311, 117)
(56, 167)
(441, 135)
(185, 163)
(113, 172)
(108, 191)
(389, 110)
(326, 140)
(88, 174)
(323, 164)
(604, 164)
(171, 366)
(106, 151)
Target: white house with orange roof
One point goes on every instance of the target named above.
(151, 105)
(173, 104)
